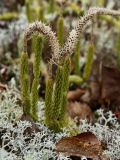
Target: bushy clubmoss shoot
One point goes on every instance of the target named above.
(110, 20)
(9, 16)
(60, 30)
(41, 14)
(57, 85)
(89, 61)
(36, 71)
(25, 83)
(57, 93)
(28, 10)
(30, 99)
(75, 79)
(118, 51)
(48, 101)
(37, 55)
(76, 58)
(56, 97)
(101, 3)
(65, 85)
(51, 6)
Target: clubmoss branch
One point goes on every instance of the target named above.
(25, 83)
(75, 33)
(48, 101)
(57, 94)
(28, 11)
(60, 31)
(9, 16)
(65, 86)
(76, 58)
(41, 28)
(36, 70)
(51, 6)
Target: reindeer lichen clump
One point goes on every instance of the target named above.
(57, 82)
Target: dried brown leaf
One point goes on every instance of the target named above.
(84, 144)
(75, 95)
(77, 111)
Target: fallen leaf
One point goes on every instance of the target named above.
(76, 94)
(110, 84)
(104, 85)
(78, 111)
(85, 144)
(117, 114)
(3, 87)
(31, 129)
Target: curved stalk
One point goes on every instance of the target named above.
(75, 33)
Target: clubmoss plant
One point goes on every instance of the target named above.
(58, 70)
(30, 99)
(56, 85)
